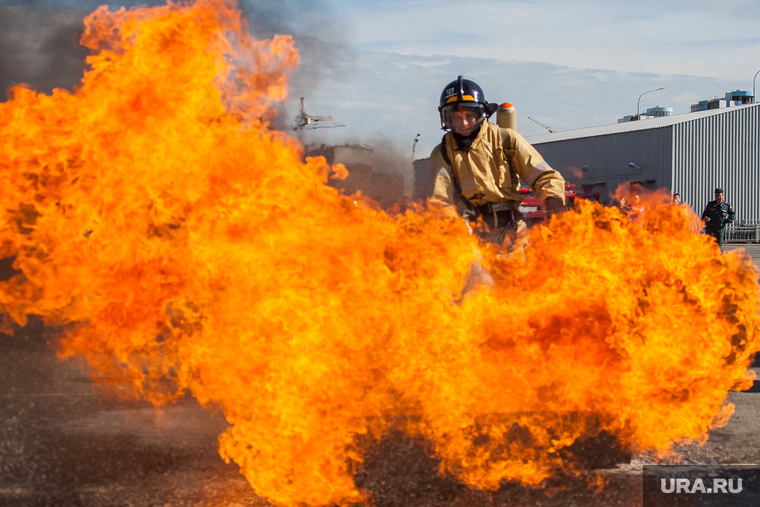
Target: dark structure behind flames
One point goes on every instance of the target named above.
(385, 188)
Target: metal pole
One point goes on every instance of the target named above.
(547, 127)
(414, 173)
(754, 97)
(639, 102)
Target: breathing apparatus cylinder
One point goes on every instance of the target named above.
(506, 116)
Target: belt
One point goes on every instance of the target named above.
(491, 208)
(497, 214)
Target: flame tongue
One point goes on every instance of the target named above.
(194, 251)
(605, 325)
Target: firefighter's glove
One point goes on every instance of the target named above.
(554, 205)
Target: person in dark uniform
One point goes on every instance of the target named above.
(716, 215)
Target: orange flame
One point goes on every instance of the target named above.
(189, 249)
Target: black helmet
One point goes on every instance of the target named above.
(463, 94)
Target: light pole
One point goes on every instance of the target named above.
(754, 97)
(414, 173)
(414, 145)
(639, 102)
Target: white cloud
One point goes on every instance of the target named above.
(394, 97)
(665, 37)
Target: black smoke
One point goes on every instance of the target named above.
(39, 40)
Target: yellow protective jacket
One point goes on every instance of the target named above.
(490, 171)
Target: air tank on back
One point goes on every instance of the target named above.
(506, 116)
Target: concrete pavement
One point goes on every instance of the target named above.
(752, 249)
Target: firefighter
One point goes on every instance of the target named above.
(716, 215)
(476, 169)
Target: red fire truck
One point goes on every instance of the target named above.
(533, 212)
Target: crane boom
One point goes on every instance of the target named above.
(547, 127)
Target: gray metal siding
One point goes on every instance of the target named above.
(608, 157)
(721, 150)
(692, 157)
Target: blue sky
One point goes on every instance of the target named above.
(379, 66)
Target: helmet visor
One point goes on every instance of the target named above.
(463, 118)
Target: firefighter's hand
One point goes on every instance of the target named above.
(468, 216)
(553, 206)
(707, 219)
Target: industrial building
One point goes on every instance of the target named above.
(652, 112)
(385, 188)
(690, 153)
(735, 98)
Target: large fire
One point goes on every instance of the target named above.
(186, 248)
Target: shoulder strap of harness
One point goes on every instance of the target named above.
(445, 151)
(506, 139)
(445, 155)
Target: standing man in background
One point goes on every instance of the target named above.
(717, 215)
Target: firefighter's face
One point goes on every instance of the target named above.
(464, 121)
(719, 197)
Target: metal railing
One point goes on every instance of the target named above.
(743, 231)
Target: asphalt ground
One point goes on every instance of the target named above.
(752, 249)
(64, 444)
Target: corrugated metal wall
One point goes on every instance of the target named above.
(691, 157)
(720, 151)
(608, 156)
